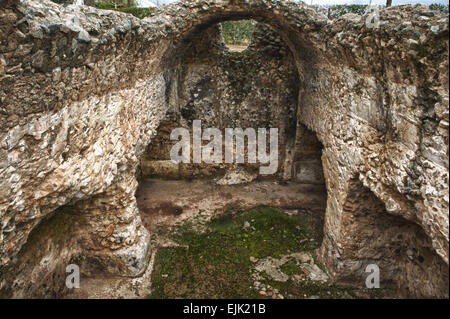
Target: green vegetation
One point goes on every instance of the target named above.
(339, 10)
(108, 4)
(140, 13)
(291, 268)
(439, 7)
(120, 6)
(238, 32)
(216, 263)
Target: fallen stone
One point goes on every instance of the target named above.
(253, 259)
(235, 177)
(314, 272)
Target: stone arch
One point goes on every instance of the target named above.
(203, 44)
(109, 234)
(296, 26)
(359, 95)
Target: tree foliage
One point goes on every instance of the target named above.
(113, 4)
(339, 10)
(122, 7)
(439, 7)
(238, 32)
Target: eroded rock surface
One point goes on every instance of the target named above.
(82, 92)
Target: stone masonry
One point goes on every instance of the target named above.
(83, 91)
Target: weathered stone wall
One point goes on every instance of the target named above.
(76, 112)
(387, 124)
(83, 91)
(401, 250)
(256, 88)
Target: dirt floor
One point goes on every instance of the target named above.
(250, 241)
(168, 202)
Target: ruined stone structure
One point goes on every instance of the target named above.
(257, 88)
(83, 91)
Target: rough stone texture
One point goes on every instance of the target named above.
(256, 88)
(238, 176)
(303, 159)
(272, 268)
(369, 235)
(83, 91)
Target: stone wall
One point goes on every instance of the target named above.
(82, 92)
(256, 88)
(401, 250)
(386, 124)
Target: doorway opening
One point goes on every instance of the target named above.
(238, 35)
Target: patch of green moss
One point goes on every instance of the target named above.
(216, 263)
(291, 268)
